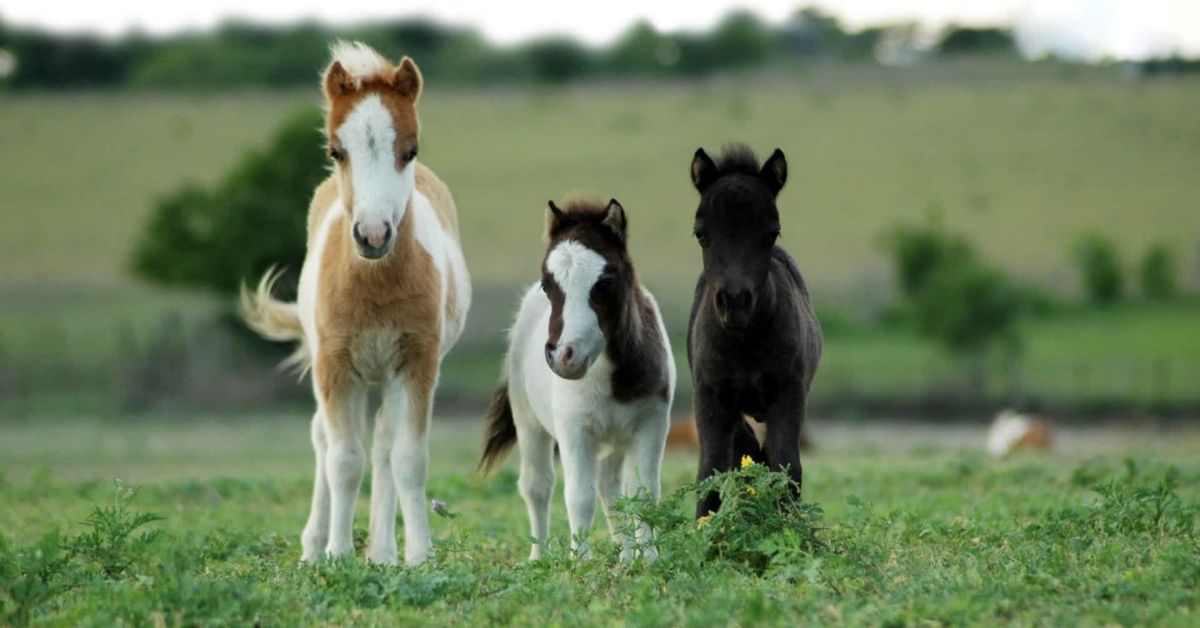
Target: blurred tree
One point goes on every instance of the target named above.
(641, 51)
(215, 239)
(958, 40)
(920, 250)
(557, 59)
(1099, 269)
(1158, 273)
(742, 40)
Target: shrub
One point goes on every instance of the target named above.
(919, 250)
(254, 218)
(1157, 273)
(1099, 269)
(967, 307)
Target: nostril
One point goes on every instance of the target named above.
(722, 299)
(567, 354)
(549, 351)
(358, 237)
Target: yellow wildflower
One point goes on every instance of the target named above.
(703, 521)
(751, 491)
(747, 461)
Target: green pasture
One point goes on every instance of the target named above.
(918, 527)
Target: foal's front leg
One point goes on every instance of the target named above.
(578, 451)
(316, 531)
(345, 419)
(785, 418)
(643, 470)
(716, 423)
(410, 455)
(381, 544)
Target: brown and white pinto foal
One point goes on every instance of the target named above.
(383, 296)
(589, 368)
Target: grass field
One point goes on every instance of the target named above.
(918, 527)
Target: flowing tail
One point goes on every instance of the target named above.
(501, 429)
(275, 320)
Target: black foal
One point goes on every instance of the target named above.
(753, 339)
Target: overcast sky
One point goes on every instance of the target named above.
(1082, 28)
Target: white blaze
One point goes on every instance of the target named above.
(381, 192)
(576, 268)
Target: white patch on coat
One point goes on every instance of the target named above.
(576, 268)
(381, 192)
(446, 253)
(308, 291)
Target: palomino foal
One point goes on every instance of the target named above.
(383, 296)
(589, 367)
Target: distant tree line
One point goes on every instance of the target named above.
(246, 54)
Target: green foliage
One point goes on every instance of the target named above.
(919, 251)
(255, 217)
(966, 307)
(110, 544)
(1099, 269)
(760, 525)
(1157, 272)
(977, 542)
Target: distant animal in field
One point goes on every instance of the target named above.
(753, 340)
(1012, 431)
(383, 295)
(589, 367)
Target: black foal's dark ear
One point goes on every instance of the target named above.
(553, 216)
(614, 218)
(704, 171)
(774, 172)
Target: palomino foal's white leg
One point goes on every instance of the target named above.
(643, 471)
(536, 481)
(608, 486)
(578, 451)
(410, 459)
(345, 422)
(381, 544)
(316, 531)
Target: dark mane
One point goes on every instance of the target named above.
(737, 159)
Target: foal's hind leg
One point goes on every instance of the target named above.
(316, 531)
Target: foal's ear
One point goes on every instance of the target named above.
(407, 79)
(704, 171)
(554, 216)
(614, 218)
(338, 82)
(774, 172)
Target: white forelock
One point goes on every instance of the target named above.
(359, 59)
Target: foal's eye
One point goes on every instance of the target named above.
(702, 239)
(410, 155)
(605, 281)
(770, 238)
(336, 154)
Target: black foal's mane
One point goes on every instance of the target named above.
(737, 159)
